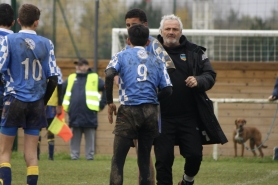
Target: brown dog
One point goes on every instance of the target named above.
(242, 134)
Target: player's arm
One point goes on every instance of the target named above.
(165, 85)
(60, 99)
(164, 93)
(110, 72)
(59, 92)
(101, 88)
(162, 54)
(51, 84)
(109, 80)
(4, 54)
(52, 79)
(1, 81)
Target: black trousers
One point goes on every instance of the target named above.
(181, 131)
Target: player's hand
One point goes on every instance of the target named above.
(272, 98)
(191, 82)
(116, 80)
(59, 109)
(111, 109)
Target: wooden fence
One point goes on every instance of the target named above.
(234, 80)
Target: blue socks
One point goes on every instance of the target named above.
(5, 173)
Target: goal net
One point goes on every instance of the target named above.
(222, 45)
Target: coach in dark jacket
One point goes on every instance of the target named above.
(187, 117)
(274, 95)
(82, 101)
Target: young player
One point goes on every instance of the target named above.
(6, 22)
(6, 19)
(28, 65)
(140, 74)
(138, 16)
(53, 108)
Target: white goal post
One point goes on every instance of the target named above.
(222, 45)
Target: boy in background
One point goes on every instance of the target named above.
(138, 16)
(6, 22)
(29, 70)
(53, 108)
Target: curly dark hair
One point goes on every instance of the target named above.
(137, 13)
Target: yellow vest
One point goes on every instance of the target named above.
(91, 90)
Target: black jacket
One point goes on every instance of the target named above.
(190, 60)
(275, 90)
(79, 114)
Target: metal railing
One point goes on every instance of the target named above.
(222, 45)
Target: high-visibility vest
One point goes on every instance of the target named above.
(91, 90)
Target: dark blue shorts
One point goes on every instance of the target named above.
(30, 115)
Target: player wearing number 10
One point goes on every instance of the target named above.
(140, 74)
(29, 69)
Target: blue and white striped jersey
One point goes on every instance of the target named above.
(26, 61)
(140, 74)
(157, 49)
(3, 33)
(50, 110)
(60, 76)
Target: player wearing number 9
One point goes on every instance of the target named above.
(140, 74)
(29, 70)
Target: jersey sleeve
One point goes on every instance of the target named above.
(114, 62)
(165, 78)
(60, 76)
(161, 53)
(53, 71)
(4, 54)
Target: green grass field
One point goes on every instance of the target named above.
(224, 171)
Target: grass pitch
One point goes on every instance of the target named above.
(224, 171)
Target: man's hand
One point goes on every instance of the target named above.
(272, 98)
(191, 82)
(59, 110)
(111, 108)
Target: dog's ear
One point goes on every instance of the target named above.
(244, 121)
(235, 121)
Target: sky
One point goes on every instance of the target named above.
(260, 8)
